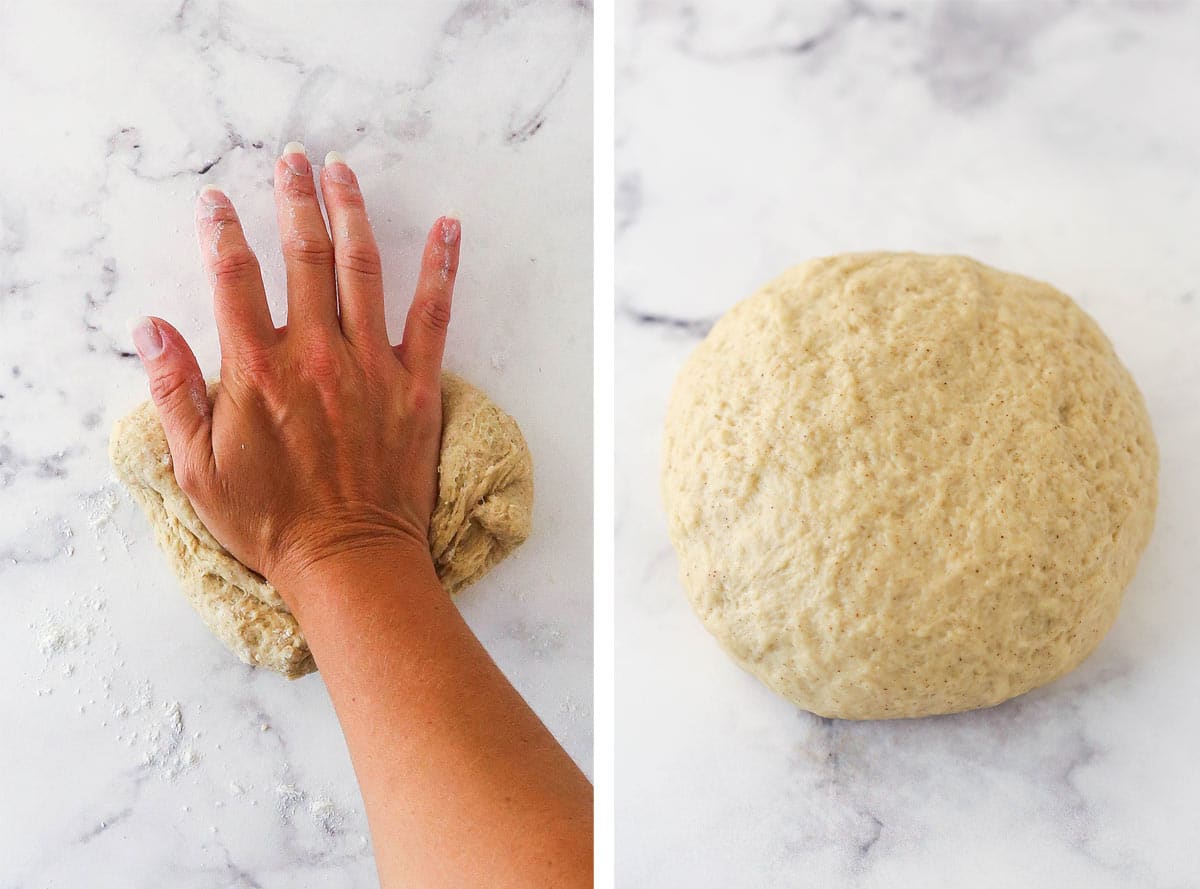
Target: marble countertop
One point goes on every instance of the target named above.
(136, 751)
(1053, 139)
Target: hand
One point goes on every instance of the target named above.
(323, 439)
(316, 465)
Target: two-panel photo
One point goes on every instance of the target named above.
(534, 443)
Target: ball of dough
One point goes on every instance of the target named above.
(484, 511)
(902, 485)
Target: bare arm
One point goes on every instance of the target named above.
(317, 466)
(457, 773)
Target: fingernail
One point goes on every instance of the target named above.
(146, 338)
(212, 196)
(295, 158)
(451, 229)
(337, 169)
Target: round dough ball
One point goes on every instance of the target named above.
(902, 485)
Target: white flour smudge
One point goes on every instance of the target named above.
(58, 636)
(328, 818)
(323, 814)
(100, 507)
(289, 797)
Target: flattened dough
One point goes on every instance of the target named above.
(484, 511)
(902, 485)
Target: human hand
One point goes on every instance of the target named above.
(323, 439)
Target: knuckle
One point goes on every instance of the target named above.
(349, 195)
(361, 259)
(168, 385)
(297, 186)
(220, 217)
(223, 213)
(189, 478)
(235, 265)
(321, 360)
(301, 249)
(254, 366)
(434, 314)
(424, 397)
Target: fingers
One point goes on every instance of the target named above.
(429, 315)
(307, 250)
(239, 300)
(179, 393)
(356, 256)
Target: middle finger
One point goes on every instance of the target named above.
(307, 250)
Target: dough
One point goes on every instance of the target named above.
(902, 485)
(484, 510)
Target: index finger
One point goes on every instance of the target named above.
(239, 298)
(429, 315)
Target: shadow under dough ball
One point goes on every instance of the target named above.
(484, 511)
(902, 485)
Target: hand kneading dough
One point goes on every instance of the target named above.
(902, 485)
(484, 509)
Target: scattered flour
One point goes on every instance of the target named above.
(326, 816)
(157, 732)
(82, 659)
(100, 507)
(573, 710)
(66, 532)
(290, 796)
(77, 643)
(57, 636)
(143, 697)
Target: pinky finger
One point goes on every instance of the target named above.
(429, 315)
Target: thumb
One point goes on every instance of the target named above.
(179, 393)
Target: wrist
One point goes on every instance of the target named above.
(370, 566)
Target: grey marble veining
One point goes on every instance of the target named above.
(135, 750)
(1052, 139)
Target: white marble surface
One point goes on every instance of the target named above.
(1055, 139)
(135, 751)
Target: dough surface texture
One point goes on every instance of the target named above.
(484, 511)
(902, 485)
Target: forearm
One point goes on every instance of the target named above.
(462, 783)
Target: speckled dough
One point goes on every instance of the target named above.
(484, 511)
(902, 485)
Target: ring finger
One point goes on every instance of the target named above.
(356, 256)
